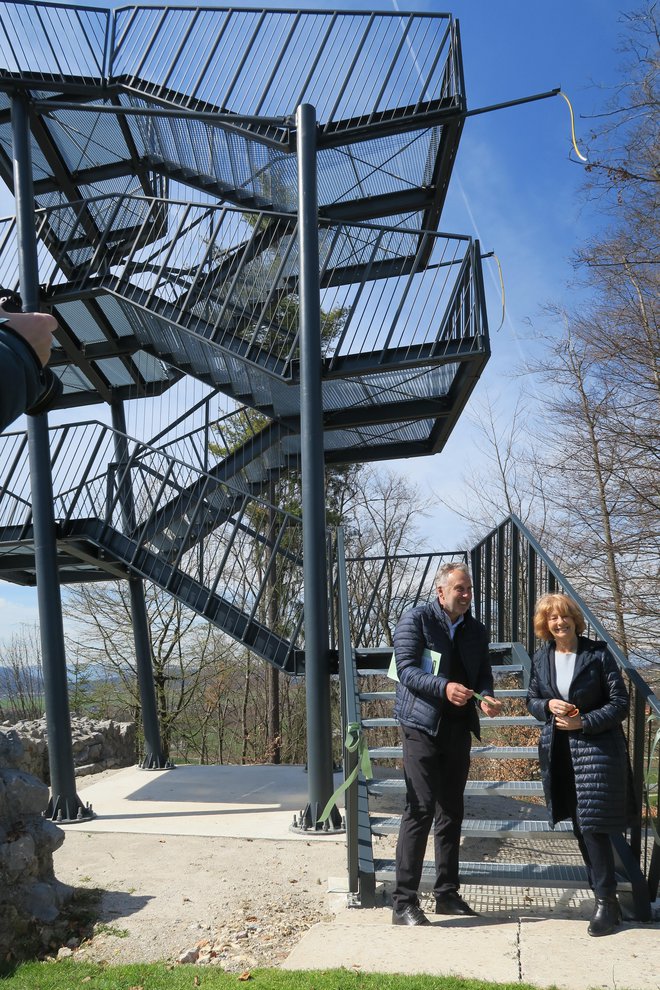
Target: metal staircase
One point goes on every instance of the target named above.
(163, 149)
(500, 768)
(217, 554)
(162, 143)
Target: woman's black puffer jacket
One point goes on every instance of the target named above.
(598, 750)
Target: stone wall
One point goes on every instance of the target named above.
(97, 746)
(31, 897)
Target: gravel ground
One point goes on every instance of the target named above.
(239, 903)
(243, 903)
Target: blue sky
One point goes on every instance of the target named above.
(516, 185)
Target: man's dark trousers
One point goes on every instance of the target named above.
(435, 770)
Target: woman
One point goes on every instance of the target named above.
(577, 690)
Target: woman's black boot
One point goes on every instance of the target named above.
(605, 917)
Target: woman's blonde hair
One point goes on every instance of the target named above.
(562, 605)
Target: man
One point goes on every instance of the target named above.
(437, 712)
(26, 385)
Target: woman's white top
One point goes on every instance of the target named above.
(564, 669)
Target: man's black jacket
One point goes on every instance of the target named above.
(420, 696)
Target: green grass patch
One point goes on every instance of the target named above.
(67, 975)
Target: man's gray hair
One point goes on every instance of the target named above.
(443, 572)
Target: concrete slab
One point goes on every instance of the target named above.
(561, 954)
(530, 950)
(467, 947)
(256, 802)
(524, 935)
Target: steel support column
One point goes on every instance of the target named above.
(317, 649)
(153, 759)
(64, 804)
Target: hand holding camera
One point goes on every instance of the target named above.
(36, 330)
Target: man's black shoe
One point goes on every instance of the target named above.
(411, 914)
(453, 903)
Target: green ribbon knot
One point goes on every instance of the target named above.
(354, 742)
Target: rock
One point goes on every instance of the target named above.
(189, 956)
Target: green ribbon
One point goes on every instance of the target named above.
(354, 742)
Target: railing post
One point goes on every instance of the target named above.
(514, 549)
(637, 759)
(317, 651)
(349, 713)
(531, 598)
(154, 758)
(475, 566)
(64, 805)
(487, 616)
(501, 584)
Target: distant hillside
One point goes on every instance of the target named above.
(30, 675)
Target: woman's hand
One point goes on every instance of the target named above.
(560, 707)
(568, 723)
(567, 716)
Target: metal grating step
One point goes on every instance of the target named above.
(527, 788)
(501, 720)
(481, 752)
(482, 827)
(390, 695)
(486, 723)
(498, 874)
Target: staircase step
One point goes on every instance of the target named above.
(509, 788)
(390, 695)
(498, 874)
(501, 720)
(489, 723)
(500, 670)
(478, 752)
(482, 827)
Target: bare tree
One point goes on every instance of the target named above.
(21, 685)
(183, 647)
(505, 476)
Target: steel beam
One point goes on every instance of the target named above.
(154, 758)
(64, 804)
(317, 646)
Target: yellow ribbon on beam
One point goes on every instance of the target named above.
(577, 152)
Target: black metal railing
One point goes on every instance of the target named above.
(510, 572)
(350, 713)
(384, 587)
(222, 545)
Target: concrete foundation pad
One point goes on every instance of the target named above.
(541, 952)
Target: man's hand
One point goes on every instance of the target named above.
(457, 693)
(490, 706)
(36, 328)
